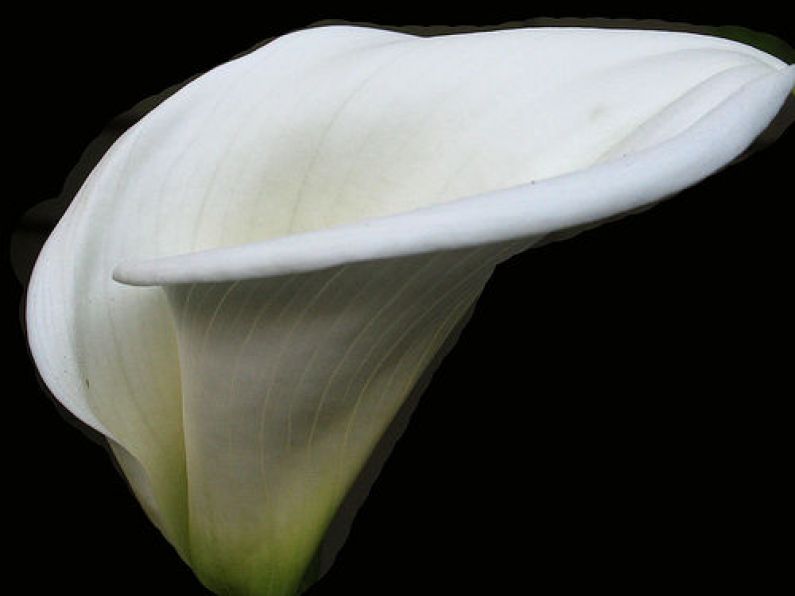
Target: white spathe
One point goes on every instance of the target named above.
(321, 213)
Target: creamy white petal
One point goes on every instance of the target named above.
(322, 212)
(289, 384)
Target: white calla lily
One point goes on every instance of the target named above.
(255, 276)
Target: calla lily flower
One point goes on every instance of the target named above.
(255, 276)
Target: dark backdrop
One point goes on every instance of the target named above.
(613, 417)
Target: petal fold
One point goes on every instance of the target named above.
(289, 383)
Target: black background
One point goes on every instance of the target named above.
(613, 417)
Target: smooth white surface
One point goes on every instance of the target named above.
(322, 211)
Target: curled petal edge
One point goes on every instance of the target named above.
(579, 198)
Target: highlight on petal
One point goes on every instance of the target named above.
(256, 275)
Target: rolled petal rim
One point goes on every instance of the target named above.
(535, 209)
